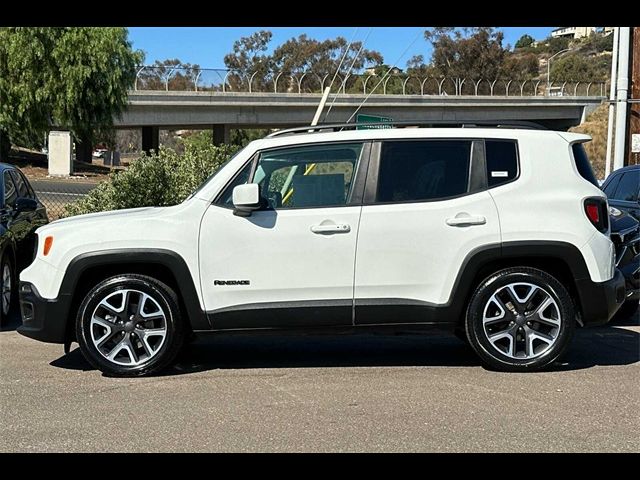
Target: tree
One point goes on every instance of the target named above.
(525, 40)
(74, 78)
(471, 53)
(520, 67)
(577, 68)
(555, 44)
(294, 57)
(169, 74)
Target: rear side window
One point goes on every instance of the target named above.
(10, 191)
(502, 161)
(628, 187)
(423, 170)
(583, 165)
(21, 185)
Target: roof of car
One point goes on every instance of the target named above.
(6, 166)
(627, 168)
(415, 133)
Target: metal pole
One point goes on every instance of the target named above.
(633, 119)
(621, 97)
(608, 159)
(325, 96)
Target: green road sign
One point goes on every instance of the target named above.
(385, 122)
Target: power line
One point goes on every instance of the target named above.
(385, 75)
(346, 51)
(348, 72)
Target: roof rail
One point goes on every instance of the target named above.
(418, 123)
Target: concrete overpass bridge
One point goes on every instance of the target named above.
(221, 111)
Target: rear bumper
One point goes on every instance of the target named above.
(42, 319)
(599, 301)
(631, 273)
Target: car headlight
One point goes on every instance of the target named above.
(614, 211)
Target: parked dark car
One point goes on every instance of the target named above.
(622, 188)
(625, 235)
(21, 213)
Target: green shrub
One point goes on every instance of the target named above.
(162, 179)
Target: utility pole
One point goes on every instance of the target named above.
(622, 96)
(633, 119)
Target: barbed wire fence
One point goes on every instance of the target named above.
(153, 78)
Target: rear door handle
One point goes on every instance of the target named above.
(331, 228)
(461, 221)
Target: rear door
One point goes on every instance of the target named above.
(425, 210)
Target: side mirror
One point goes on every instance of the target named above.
(24, 204)
(246, 199)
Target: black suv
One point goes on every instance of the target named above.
(21, 213)
(622, 188)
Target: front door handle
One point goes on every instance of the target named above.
(331, 228)
(464, 220)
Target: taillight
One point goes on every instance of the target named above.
(596, 210)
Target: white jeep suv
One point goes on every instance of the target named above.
(499, 234)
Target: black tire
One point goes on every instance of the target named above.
(491, 355)
(6, 260)
(166, 299)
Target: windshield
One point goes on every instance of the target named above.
(210, 177)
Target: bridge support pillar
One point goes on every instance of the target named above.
(221, 134)
(150, 139)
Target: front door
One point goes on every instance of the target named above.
(292, 263)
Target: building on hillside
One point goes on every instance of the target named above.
(607, 30)
(573, 32)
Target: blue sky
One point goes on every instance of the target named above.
(207, 46)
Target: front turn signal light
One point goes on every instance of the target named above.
(48, 242)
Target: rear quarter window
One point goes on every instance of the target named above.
(502, 161)
(582, 164)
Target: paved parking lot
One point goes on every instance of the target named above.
(328, 393)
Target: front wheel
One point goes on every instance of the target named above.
(7, 277)
(130, 325)
(520, 319)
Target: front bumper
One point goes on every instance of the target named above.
(599, 301)
(42, 319)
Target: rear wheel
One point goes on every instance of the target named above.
(130, 325)
(520, 319)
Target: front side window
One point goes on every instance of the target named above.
(309, 176)
(423, 170)
(628, 187)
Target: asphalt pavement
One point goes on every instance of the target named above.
(325, 394)
(64, 191)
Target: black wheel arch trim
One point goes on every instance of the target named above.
(167, 258)
(480, 257)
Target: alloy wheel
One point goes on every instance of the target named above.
(6, 289)
(522, 320)
(128, 327)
